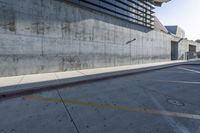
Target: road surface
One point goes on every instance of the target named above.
(161, 101)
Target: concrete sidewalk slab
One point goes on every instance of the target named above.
(126, 68)
(38, 80)
(10, 81)
(193, 62)
(48, 81)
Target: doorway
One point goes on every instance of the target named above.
(174, 50)
(192, 48)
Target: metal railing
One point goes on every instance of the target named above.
(192, 55)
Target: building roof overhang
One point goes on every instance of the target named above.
(158, 2)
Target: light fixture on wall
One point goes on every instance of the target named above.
(131, 41)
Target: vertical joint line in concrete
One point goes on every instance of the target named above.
(82, 73)
(68, 112)
(42, 46)
(19, 81)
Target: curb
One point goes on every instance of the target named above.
(89, 79)
(192, 62)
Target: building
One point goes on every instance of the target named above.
(38, 36)
(181, 47)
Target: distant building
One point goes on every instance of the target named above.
(181, 47)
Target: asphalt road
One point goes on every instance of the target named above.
(161, 101)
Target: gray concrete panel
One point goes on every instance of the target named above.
(43, 29)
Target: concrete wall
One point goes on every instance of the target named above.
(184, 47)
(39, 36)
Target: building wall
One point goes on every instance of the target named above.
(180, 32)
(183, 47)
(39, 36)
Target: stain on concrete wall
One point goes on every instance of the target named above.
(7, 19)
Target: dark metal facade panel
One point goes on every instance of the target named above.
(136, 11)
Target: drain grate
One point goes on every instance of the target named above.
(175, 102)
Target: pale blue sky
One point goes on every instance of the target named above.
(185, 13)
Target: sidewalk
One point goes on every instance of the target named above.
(37, 82)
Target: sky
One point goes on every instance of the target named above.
(184, 13)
